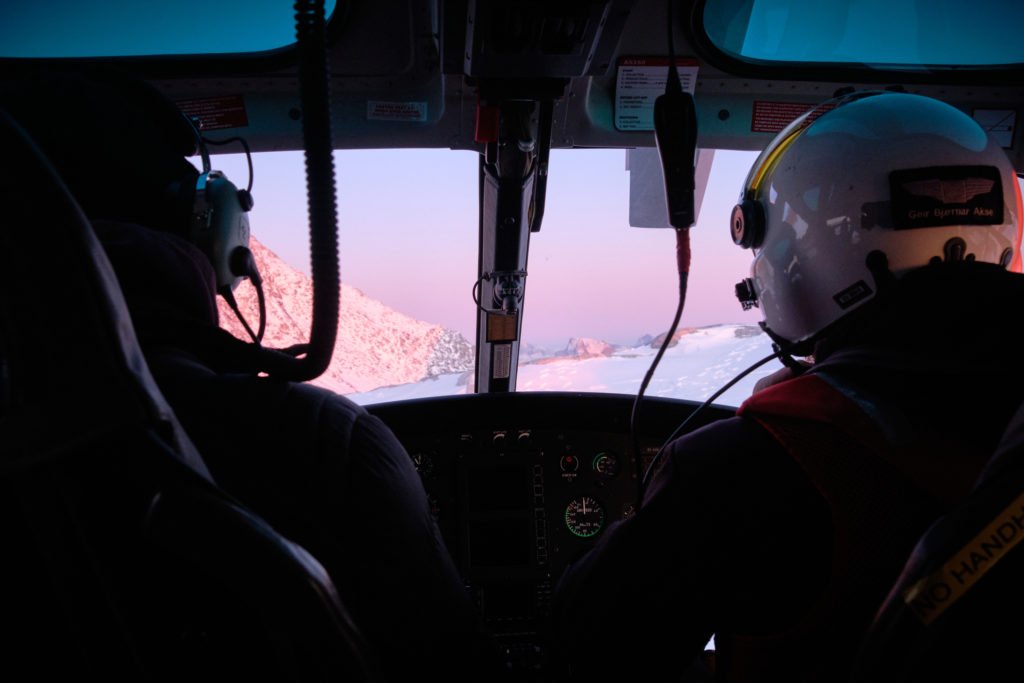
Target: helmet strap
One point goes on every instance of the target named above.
(787, 359)
(787, 349)
(878, 265)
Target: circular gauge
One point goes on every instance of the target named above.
(606, 464)
(584, 516)
(569, 463)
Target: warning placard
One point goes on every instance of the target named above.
(934, 594)
(216, 113)
(396, 111)
(639, 81)
(501, 361)
(772, 117)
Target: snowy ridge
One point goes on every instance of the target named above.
(699, 363)
(384, 355)
(376, 346)
(656, 342)
(585, 347)
(450, 353)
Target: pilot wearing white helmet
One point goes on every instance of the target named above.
(886, 236)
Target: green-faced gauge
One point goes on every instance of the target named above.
(606, 464)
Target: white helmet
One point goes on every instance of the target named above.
(904, 175)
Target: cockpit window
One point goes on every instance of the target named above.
(899, 33)
(121, 28)
(600, 294)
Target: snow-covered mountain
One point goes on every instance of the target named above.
(376, 346)
(699, 363)
(585, 347)
(384, 355)
(656, 342)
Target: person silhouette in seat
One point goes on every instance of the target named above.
(319, 468)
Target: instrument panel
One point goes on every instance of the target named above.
(522, 484)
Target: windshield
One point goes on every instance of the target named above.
(120, 28)
(600, 295)
(892, 32)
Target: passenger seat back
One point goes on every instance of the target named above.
(122, 558)
(953, 613)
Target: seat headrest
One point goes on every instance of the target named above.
(73, 360)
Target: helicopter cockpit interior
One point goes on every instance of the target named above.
(521, 482)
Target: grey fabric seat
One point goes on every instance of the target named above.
(952, 615)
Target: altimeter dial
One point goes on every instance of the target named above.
(584, 516)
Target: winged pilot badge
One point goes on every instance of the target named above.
(958, 191)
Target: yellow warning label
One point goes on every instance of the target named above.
(934, 594)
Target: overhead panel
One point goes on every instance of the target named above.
(541, 39)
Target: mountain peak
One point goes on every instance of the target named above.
(376, 345)
(660, 339)
(585, 347)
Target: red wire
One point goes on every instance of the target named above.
(683, 250)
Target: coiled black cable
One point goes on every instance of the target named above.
(311, 34)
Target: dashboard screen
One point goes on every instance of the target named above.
(500, 543)
(498, 489)
(500, 525)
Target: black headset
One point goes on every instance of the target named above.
(217, 215)
(747, 224)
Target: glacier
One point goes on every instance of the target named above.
(701, 362)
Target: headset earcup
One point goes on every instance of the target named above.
(747, 224)
(219, 221)
(223, 225)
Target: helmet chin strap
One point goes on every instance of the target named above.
(878, 265)
(785, 349)
(786, 358)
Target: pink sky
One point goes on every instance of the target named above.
(408, 235)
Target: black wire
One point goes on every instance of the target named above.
(230, 298)
(476, 294)
(245, 146)
(634, 416)
(253, 273)
(699, 409)
(673, 84)
(263, 310)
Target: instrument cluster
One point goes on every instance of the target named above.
(522, 485)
